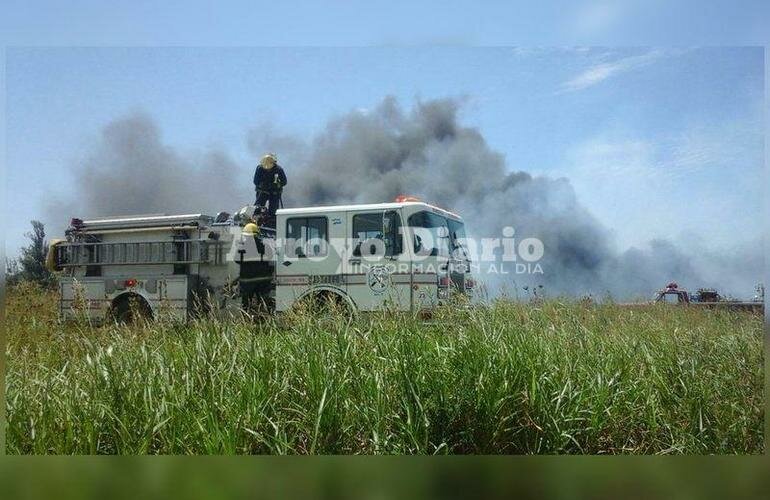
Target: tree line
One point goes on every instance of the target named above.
(30, 265)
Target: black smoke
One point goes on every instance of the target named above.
(372, 156)
(131, 171)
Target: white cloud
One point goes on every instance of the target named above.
(604, 70)
(705, 180)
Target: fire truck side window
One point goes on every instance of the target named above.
(306, 237)
(383, 226)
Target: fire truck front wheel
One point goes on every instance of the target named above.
(130, 307)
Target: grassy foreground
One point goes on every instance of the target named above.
(510, 378)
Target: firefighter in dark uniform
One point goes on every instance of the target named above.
(269, 180)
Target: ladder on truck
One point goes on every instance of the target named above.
(191, 251)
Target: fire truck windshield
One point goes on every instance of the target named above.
(438, 235)
(458, 239)
(430, 233)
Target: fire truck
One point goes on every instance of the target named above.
(404, 255)
(706, 298)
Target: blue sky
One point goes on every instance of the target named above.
(633, 129)
(345, 23)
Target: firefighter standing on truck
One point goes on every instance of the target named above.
(269, 180)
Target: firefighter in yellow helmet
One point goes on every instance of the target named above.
(251, 229)
(269, 180)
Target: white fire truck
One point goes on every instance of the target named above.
(405, 255)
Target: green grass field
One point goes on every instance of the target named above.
(509, 378)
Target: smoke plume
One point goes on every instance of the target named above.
(372, 156)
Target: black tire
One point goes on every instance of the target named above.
(326, 306)
(131, 308)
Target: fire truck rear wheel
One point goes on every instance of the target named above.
(326, 305)
(129, 308)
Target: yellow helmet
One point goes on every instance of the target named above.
(268, 161)
(250, 228)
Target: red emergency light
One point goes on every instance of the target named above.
(403, 198)
(130, 282)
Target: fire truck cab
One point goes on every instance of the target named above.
(403, 255)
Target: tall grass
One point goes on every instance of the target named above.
(509, 378)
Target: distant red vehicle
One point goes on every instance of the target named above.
(672, 294)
